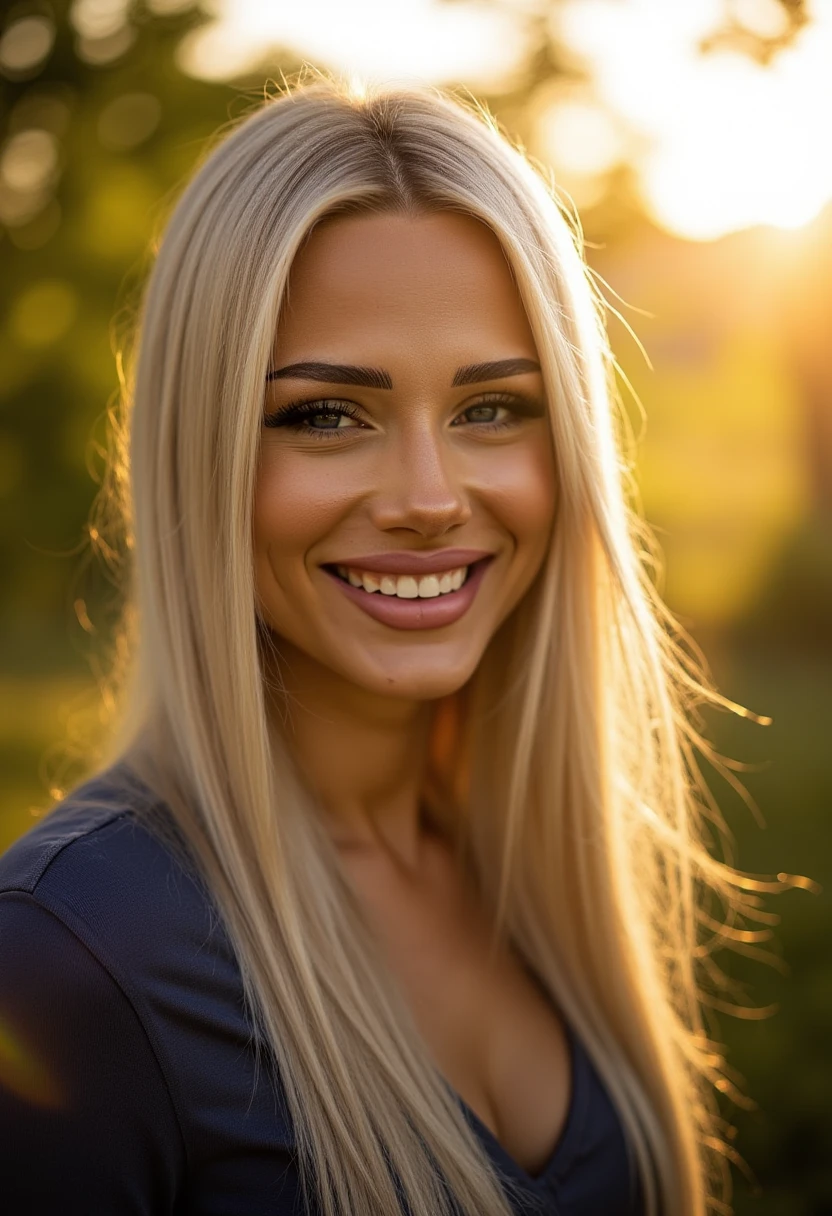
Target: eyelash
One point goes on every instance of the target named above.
(294, 413)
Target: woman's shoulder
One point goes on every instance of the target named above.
(122, 999)
(104, 799)
(99, 867)
(99, 862)
(96, 906)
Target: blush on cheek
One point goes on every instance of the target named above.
(297, 502)
(521, 492)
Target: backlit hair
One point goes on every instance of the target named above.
(564, 772)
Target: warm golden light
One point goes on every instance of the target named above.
(718, 141)
(727, 142)
(24, 1074)
(357, 86)
(411, 39)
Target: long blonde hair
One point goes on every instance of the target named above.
(565, 773)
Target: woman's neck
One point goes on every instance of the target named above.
(363, 755)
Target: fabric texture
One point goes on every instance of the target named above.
(127, 1072)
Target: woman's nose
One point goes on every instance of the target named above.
(421, 487)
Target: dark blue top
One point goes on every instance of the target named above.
(127, 1081)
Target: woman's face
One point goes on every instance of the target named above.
(405, 488)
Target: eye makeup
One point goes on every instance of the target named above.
(298, 415)
(295, 414)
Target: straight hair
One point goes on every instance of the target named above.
(564, 773)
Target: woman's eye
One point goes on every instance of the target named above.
(484, 413)
(488, 412)
(329, 420)
(499, 411)
(315, 417)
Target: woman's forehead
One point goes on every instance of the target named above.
(385, 279)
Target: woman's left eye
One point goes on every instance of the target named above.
(494, 412)
(483, 413)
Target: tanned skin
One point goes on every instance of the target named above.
(419, 464)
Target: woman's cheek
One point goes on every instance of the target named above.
(298, 499)
(520, 488)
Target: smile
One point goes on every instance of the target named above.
(413, 591)
(405, 586)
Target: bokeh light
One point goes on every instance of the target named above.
(411, 39)
(25, 44)
(24, 1073)
(728, 142)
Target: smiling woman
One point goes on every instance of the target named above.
(432, 461)
(386, 894)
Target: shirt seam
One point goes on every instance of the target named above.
(34, 877)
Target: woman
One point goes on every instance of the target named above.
(387, 890)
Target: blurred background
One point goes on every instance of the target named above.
(692, 139)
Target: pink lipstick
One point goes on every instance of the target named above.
(407, 609)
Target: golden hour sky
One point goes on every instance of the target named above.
(720, 143)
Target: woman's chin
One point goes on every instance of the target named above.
(420, 677)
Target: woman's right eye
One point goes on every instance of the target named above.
(328, 420)
(317, 417)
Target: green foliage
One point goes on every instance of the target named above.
(110, 143)
(785, 1059)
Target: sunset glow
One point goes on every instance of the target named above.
(718, 141)
(409, 40)
(729, 143)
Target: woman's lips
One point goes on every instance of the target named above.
(414, 562)
(419, 613)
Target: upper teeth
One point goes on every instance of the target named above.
(406, 586)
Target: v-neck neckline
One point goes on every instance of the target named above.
(563, 1147)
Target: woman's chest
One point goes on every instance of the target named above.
(487, 1025)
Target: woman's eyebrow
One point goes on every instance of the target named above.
(475, 372)
(333, 373)
(376, 377)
